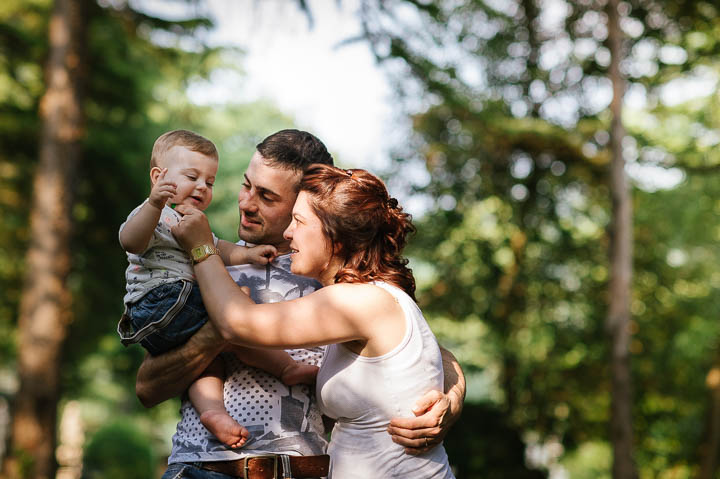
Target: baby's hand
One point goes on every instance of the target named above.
(162, 191)
(299, 373)
(261, 254)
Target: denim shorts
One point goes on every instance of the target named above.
(164, 318)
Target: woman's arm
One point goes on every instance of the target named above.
(435, 412)
(168, 375)
(327, 316)
(324, 317)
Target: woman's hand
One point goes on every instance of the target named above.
(193, 229)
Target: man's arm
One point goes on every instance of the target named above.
(435, 412)
(169, 375)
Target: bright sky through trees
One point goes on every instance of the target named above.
(335, 91)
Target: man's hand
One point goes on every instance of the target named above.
(435, 412)
(193, 229)
(168, 375)
(430, 426)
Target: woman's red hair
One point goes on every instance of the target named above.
(366, 227)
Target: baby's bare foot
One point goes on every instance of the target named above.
(225, 427)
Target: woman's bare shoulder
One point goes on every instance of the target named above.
(366, 296)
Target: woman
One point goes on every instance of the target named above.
(349, 234)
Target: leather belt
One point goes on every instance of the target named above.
(272, 466)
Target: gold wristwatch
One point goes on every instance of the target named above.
(202, 252)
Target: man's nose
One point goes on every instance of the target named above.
(246, 201)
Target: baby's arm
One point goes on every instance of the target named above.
(278, 363)
(138, 230)
(235, 254)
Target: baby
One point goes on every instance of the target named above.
(163, 305)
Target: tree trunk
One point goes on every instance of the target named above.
(618, 318)
(45, 304)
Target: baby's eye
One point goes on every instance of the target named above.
(210, 185)
(191, 177)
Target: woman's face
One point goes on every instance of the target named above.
(310, 247)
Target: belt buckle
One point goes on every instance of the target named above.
(246, 468)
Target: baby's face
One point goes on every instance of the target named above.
(193, 173)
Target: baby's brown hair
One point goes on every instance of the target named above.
(190, 140)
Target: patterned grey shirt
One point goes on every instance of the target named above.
(281, 419)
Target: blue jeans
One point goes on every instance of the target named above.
(190, 471)
(164, 318)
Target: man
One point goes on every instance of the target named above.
(282, 420)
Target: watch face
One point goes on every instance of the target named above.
(200, 251)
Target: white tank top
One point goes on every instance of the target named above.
(364, 393)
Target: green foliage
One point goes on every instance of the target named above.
(236, 129)
(509, 114)
(118, 450)
(122, 92)
(136, 89)
(511, 255)
(22, 46)
(136, 93)
(482, 445)
(591, 460)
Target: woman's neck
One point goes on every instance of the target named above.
(327, 275)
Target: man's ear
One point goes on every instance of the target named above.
(154, 173)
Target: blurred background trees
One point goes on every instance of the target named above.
(510, 154)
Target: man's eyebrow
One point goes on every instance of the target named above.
(262, 189)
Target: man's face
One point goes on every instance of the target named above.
(266, 200)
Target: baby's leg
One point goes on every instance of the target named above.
(206, 395)
(278, 363)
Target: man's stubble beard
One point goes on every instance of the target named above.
(264, 233)
(260, 237)
(251, 236)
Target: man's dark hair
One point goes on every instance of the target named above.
(294, 149)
